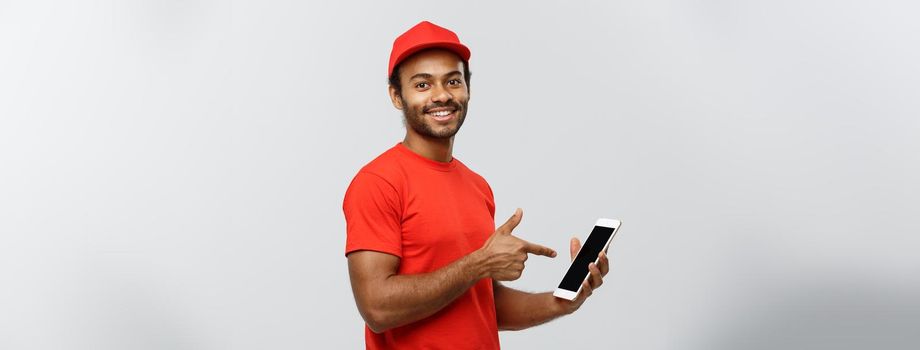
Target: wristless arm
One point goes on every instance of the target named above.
(387, 300)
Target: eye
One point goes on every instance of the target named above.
(454, 82)
(421, 85)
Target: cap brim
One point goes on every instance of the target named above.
(459, 49)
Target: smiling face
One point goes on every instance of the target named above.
(434, 93)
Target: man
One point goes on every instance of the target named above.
(424, 258)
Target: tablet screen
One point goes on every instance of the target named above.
(588, 254)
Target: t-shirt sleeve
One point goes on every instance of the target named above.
(491, 202)
(372, 215)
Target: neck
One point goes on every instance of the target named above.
(440, 150)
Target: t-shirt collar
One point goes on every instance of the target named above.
(442, 166)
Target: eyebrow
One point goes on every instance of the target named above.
(429, 76)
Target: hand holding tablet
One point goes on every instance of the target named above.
(598, 241)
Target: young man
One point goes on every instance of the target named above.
(424, 258)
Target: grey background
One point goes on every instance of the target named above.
(171, 172)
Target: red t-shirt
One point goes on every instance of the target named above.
(429, 214)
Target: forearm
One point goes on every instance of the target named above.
(402, 299)
(517, 310)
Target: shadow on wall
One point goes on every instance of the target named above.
(839, 316)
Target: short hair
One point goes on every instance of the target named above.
(396, 83)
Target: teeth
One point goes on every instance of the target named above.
(440, 113)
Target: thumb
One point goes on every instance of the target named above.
(574, 247)
(512, 222)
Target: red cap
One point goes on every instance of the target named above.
(423, 36)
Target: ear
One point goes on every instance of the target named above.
(395, 98)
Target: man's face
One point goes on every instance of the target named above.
(434, 94)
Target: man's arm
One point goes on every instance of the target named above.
(517, 310)
(386, 299)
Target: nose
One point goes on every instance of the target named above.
(440, 94)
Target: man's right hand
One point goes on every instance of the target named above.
(503, 255)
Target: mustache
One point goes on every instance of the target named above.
(453, 104)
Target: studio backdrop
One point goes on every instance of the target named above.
(172, 172)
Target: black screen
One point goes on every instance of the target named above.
(588, 254)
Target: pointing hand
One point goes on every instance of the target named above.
(505, 254)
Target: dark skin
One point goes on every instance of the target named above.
(433, 84)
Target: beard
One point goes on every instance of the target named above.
(419, 121)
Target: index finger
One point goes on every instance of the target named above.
(537, 249)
